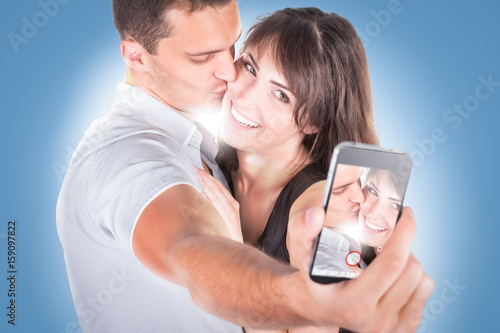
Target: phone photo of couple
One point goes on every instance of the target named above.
(362, 207)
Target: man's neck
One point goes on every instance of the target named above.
(129, 79)
(335, 229)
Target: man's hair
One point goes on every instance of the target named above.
(144, 20)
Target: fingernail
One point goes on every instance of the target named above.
(410, 212)
(195, 168)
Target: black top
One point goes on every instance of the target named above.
(273, 238)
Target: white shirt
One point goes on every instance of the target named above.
(125, 160)
(332, 251)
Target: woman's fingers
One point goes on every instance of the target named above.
(222, 200)
(210, 190)
(223, 190)
(214, 186)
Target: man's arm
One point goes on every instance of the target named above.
(182, 238)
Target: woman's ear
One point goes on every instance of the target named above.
(133, 54)
(310, 129)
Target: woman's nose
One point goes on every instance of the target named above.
(374, 210)
(244, 93)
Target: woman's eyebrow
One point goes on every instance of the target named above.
(375, 187)
(254, 63)
(281, 85)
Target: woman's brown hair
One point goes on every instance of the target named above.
(324, 63)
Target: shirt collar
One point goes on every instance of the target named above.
(208, 145)
(159, 115)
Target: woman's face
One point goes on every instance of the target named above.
(378, 214)
(257, 108)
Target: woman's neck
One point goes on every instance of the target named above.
(267, 172)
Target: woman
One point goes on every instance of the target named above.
(302, 87)
(384, 191)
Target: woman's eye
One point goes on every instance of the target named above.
(372, 191)
(396, 206)
(281, 96)
(250, 68)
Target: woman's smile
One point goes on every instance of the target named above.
(241, 121)
(373, 227)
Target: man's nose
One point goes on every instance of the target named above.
(225, 67)
(357, 194)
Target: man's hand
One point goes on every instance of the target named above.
(389, 296)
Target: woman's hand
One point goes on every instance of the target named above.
(223, 201)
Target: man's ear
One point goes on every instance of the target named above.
(134, 54)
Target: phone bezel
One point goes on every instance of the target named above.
(363, 155)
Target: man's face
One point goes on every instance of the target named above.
(346, 197)
(192, 67)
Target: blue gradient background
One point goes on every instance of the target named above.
(426, 59)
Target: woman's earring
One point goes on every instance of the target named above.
(379, 249)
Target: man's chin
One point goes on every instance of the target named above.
(349, 223)
(205, 110)
(210, 108)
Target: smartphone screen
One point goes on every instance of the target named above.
(363, 202)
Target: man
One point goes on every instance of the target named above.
(145, 252)
(343, 210)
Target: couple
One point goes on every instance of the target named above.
(361, 217)
(146, 252)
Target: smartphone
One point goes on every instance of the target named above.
(363, 200)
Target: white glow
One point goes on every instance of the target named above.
(353, 232)
(211, 122)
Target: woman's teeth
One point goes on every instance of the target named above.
(374, 227)
(242, 120)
